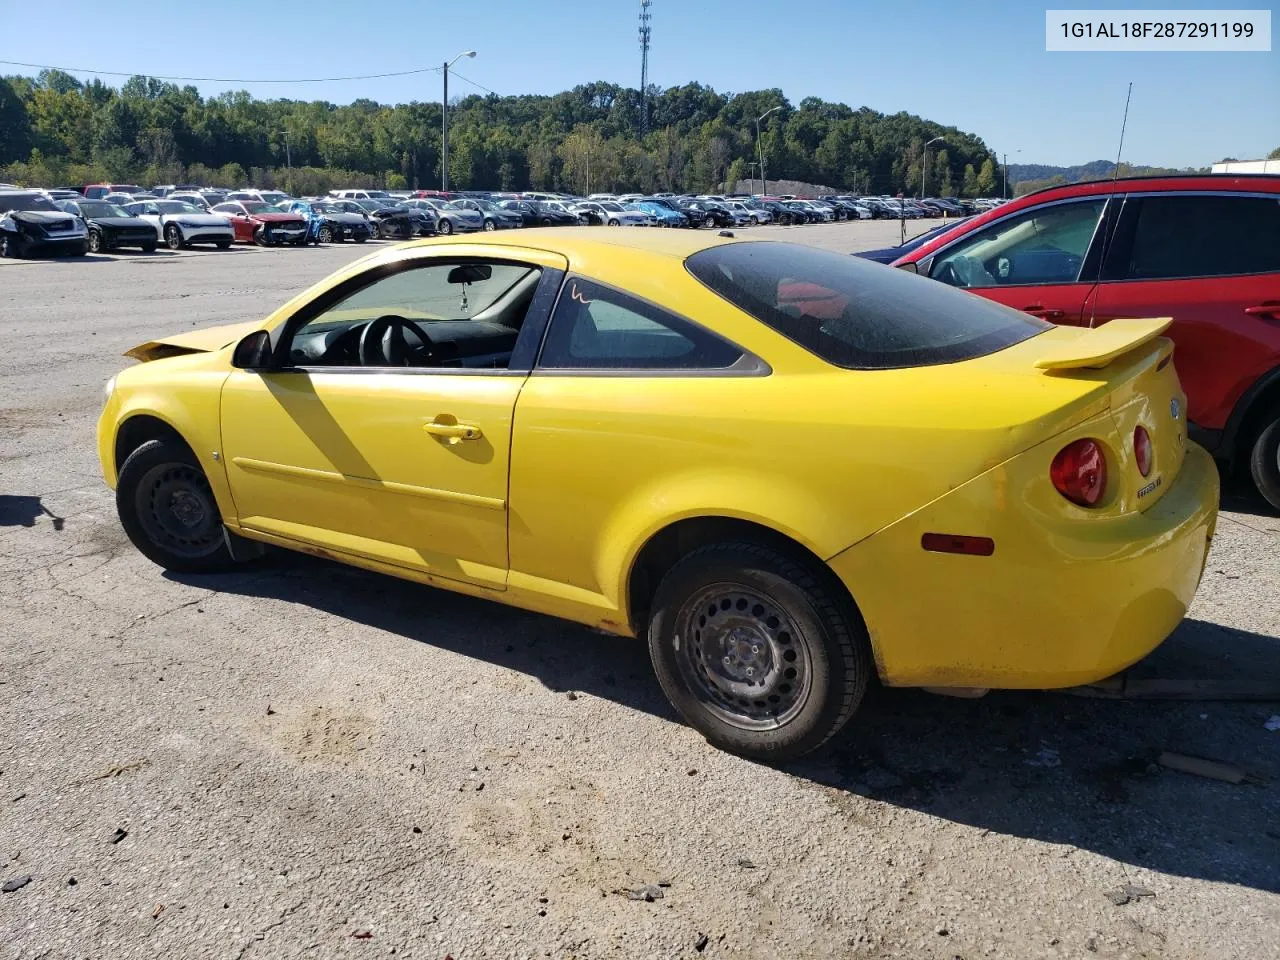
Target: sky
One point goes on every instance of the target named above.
(979, 65)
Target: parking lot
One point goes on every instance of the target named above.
(306, 760)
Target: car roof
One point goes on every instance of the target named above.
(577, 243)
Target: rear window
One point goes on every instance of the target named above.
(857, 314)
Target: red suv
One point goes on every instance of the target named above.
(1204, 250)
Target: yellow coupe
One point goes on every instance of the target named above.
(789, 469)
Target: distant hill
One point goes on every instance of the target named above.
(1027, 177)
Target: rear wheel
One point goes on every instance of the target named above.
(362, 238)
(222, 244)
(490, 225)
(614, 223)
(326, 234)
(445, 226)
(755, 653)
(167, 509)
(95, 241)
(1264, 460)
(11, 246)
(173, 237)
(148, 246)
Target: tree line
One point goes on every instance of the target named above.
(56, 130)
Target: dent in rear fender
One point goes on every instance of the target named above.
(774, 501)
(1061, 601)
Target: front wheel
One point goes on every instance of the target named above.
(326, 235)
(1264, 460)
(149, 246)
(173, 237)
(490, 225)
(222, 244)
(10, 246)
(95, 241)
(614, 223)
(167, 509)
(361, 238)
(755, 652)
(445, 226)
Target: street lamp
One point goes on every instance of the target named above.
(444, 122)
(751, 166)
(1005, 165)
(764, 180)
(924, 172)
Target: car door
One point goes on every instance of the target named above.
(1212, 262)
(405, 465)
(149, 212)
(1036, 260)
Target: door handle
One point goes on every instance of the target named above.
(1264, 310)
(453, 431)
(1044, 313)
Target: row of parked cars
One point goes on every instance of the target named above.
(107, 216)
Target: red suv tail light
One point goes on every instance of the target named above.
(1079, 472)
(1142, 449)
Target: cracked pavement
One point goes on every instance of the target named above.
(313, 761)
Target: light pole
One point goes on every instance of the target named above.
(444, 122)
(751, 166)
(764, 180)
(288, 158)
(924, 172)
(1005, 166)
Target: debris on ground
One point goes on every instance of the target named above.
(746, 864)
(1273, 723)
(155, 914)
(120, 834)
(648, 893)
(362, 935)
(1212, 769)
(571, 695)
(17, 883)
(114, 771)
(1046, 756)
(1127, 892)
(701, 943)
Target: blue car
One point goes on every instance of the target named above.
(665, 216)
(330, 224)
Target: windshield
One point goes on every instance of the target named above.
(610, 205)
(28, 201)
(371, 204)
(99, 208)
(443, 205)
(256, 206)
(856, 314)
(177, 206)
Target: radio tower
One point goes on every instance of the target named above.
(645, 29)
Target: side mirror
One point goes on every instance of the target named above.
(909, 267)
(253, 352)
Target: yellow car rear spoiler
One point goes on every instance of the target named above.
(1098, 346)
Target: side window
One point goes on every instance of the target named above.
(597, 327)
(1198, 236)
(1044, 245)
(438, 314)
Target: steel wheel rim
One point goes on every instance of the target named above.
(743, 657)
(176, 507)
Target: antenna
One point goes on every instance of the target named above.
(1110, 219)
(645, 30)
(1123, 124)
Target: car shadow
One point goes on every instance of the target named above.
(22, 511)
(1047, 766)
(1239, 495)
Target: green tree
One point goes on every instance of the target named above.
(970, 187)
(986, 181)
(1274, 154)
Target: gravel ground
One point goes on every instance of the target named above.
(306, 760)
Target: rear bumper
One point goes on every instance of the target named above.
(1059, 603)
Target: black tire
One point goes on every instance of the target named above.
(809, 638)
(362, 238)
(95, 242)
(614, 223)
(445, 226)
(83, 249)
(326, 234)
(489, 225)
(168, 511)
(1264, 459)
(11, 246)
(222, 244)
(173, 237)
(150, 247)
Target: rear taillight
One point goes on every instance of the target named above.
(1079, 472)
(1142, 449)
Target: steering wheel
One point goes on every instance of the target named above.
(382, 342)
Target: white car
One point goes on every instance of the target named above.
(613, 214)
(180, 224)
(753, 215)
